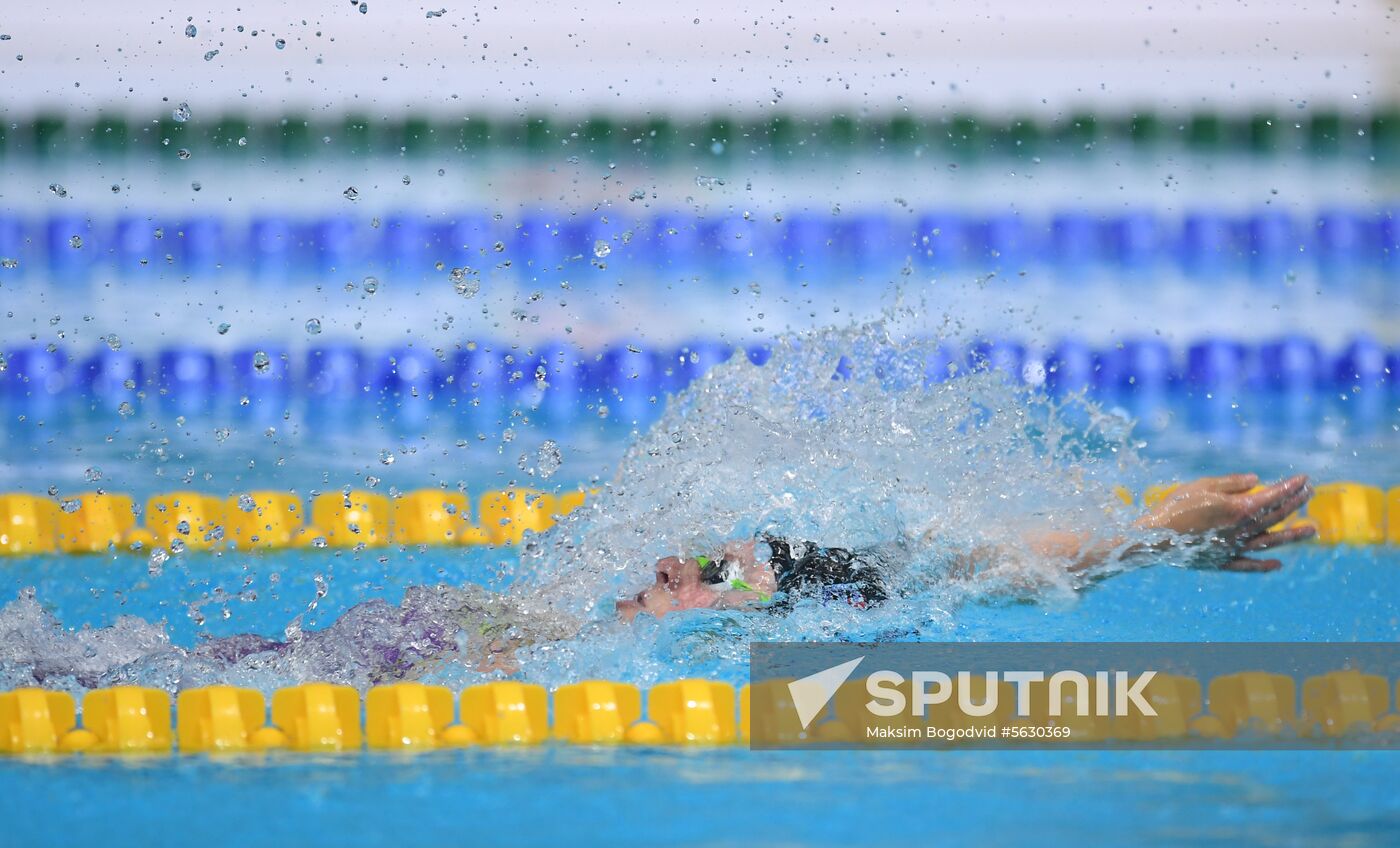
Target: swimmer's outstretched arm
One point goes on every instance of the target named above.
(1219, 516)
(1215, 519)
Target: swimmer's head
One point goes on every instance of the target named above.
(678, 585)
(689, 583)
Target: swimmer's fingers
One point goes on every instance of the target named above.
(1274, 512)
(1287, 536)
(1270, 497)
(1279, 513)
(1272, 494)
(1229, 484)
(1253, 566)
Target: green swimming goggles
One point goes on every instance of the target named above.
(716, 571)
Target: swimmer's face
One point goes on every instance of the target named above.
(677, 587)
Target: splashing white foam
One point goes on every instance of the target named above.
(845, 439)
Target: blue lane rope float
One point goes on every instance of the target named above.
(1203, 243)
(563, 377)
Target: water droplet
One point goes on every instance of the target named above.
(386, 457)
(75, 242)
(155, 565)
(9, 262)
(223, 329)
(181, 113)
(280, 43)
(177, 546)
(318, 542)
(191, 30)
(708, 182)
(58, 189)
(498, 247)
(113, 341)
(261, 362)
(549, 458)
(439, 13)
(466, 286)
(125, 410)
(221, 434)
(242, 141)
(209, 55)
(364, 8)
(370, 285)
(182, 527)
(196, 185)
(70, 505)
(183, 153)
(601, 249)
(313, 326)
(246, 503)
(92, 474)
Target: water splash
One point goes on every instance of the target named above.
(848, 439)
(852, 438)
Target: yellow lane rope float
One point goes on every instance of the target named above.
(330, 718)
(98, 522)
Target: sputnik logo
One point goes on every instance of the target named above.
(812, 693)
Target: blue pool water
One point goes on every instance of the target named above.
(553, 796)
(733, 796)
(728, 796)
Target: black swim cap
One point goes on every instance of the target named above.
(826, 573)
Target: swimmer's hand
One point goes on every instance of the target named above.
(1222, 513)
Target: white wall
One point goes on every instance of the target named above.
(571, 56)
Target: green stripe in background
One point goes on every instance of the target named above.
(1322, 133)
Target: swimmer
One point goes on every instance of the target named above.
(1217, 522)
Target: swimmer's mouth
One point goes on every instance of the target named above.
(627, 608)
